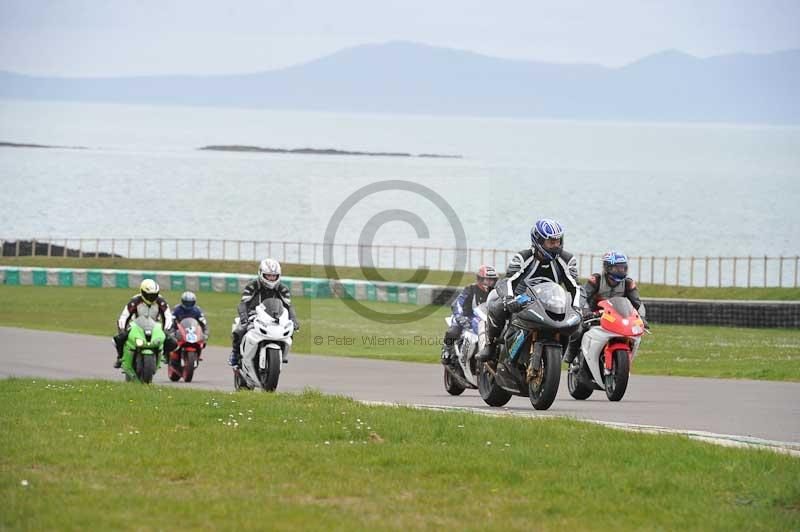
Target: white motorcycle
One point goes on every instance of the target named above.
(607, 351)
(463, 372)
(265, 345)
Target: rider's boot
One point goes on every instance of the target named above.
(573, 348)
(235, 358)
(489, 351)
(118, 362)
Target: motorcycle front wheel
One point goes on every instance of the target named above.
(189, 362)
(269, 375)
(146, 367)
(543, 387)
(617, 381)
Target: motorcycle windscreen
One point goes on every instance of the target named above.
(552, 297)
(622, 305)
(146, 323)
(191, 330)
(188, 322)
(273, 307)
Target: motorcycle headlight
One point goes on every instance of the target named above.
(139, 342)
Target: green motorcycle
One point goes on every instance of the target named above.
(141, 355)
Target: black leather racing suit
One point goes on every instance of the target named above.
(252, 295)
(524, 267)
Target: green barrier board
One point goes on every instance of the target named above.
(412, 295)
(204, 282)
(65, 278)
(316, 288)
(372, 293)
(231, 284)
(94, 279)
(349, 290)
(12, 277)
(39, 278)
(391, 293)
(178, 282)
(121, 280)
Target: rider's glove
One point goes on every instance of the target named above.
(512, 305)
(463, 321)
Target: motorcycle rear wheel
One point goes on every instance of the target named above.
(174, 370)
(578, 389)
(450, 384)
(491, 393)
(239, 382)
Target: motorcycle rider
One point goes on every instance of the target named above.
(470, 297)
(545, 260)
(266, 285)
(148, 302)
(188, 308)
(613, 282)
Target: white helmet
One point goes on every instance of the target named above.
(269, 273)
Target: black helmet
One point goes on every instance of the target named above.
(188, 299)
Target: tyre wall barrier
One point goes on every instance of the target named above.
(216, 282)
(726, 313)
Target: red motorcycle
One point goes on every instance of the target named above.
(185, 359)
(607, 351)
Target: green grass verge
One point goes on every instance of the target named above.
(397, 275)
(89, 455)
(331, 328)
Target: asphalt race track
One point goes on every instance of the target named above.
(757, 409)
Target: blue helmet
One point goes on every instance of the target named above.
(546, 229)
(615, 265)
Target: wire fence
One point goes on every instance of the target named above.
(736, 271)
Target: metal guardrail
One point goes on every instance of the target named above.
(739, 271)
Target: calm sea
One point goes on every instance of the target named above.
(676, 189)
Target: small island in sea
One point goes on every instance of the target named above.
(20, 145)
(327, 151)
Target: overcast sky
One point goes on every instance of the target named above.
(124, 37)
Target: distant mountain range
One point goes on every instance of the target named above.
(403, 77)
